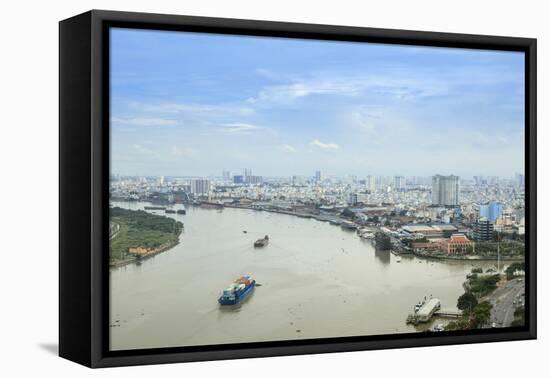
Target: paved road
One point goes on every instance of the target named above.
(502, 299)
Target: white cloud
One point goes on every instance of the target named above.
(289, 148)
(399, 87)
(289, 92)
(239, 127)
(196, 109)
(144, 150)
(324, 146)
(143, 121)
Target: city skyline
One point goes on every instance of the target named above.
(185, 104)
(230, 174)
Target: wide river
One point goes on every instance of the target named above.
(317, 280)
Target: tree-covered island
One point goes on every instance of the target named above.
(136, 234)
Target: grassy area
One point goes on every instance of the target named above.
(141, 229)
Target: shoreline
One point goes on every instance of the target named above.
(163, 248)
(330, 218)
(322, 218)
(502, 259)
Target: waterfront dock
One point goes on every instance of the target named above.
(427, 309)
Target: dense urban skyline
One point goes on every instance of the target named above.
(186, 104)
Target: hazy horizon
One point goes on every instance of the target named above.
(190, 104)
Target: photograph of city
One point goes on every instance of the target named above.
(275, 189)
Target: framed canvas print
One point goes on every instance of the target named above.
(235, 188)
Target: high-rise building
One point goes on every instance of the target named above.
(238, 179)
(399, 183)
(226, 175)
(483, 230)
(317, 176)
(247, 172)
(491, 211)
(352, 199)
(445, 190)
(200, 186)
(371, 183)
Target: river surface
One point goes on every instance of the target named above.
(317, 280)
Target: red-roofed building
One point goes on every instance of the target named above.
(457, 243)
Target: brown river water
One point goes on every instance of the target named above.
(317, 281)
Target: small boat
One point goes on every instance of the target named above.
(238, 291)
(181, 211)
(261, 242)
(170, 211)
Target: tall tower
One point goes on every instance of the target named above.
(445, 190)
(371, 183)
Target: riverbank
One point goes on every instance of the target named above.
(337, 220)
(465, 257)
(141, 235)
(319, 279)
(136, 259)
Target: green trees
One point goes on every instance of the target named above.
(347, 213)
(141, 229)
(480, 286)
(141, 219)
(458, 325)
(477, 318)
(519, 317)
(466, 302)
(475, 314)
(512, 268)
(508, 248)
(481, 314)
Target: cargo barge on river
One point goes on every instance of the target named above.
(262, 242)
(238, 291)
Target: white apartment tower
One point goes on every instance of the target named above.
(371, 183)
(445, 190)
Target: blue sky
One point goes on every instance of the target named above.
(186, 104)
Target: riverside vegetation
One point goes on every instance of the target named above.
(138, 228)
(477, 314)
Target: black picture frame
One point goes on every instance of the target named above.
(84, 178)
